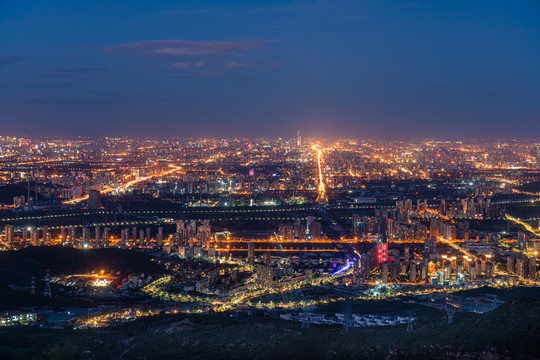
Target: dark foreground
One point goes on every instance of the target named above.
(508, 332)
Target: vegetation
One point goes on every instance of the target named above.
(509, 331)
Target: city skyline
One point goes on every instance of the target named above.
(385, 70)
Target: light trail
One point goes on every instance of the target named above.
(343, 269)
(280, 250)
(321, 197)
(527, 227)
(126, 185)
(516, 191)
(456, 247)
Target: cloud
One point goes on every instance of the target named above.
(186, 64)
(82, 69)
(182, 65)
(12, 59)
(234, 65)
(184, 48)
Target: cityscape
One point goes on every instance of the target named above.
(281, 227)
(269, 180)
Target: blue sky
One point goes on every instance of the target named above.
(383, 69)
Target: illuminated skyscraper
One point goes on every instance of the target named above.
(45, 232)
(9, 234)
(147, 237)
(159, 237)
(124, 238)
(34, 236)
(63, 235)
(24, 235)
(72, 234)
(106, 235)
(85, 235)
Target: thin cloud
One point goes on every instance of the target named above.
(182, 65)
(184, 48)
(234, 65)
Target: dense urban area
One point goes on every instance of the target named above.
(130, 248)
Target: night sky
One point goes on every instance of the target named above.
(405, 70)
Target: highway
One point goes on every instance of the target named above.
(128, 184)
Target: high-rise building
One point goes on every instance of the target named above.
(85, 235)
(106, 236)
(532, 268)
(147, 237)
(422, 232)
(188, 252)
(204, 234)
(73, 235)
(382, 250)
(9, 233)
(141, 237)
(316, 230)
(180, 234)
(510, 264)
(357, 225)
(134, 235)
(159, 237)
(124, 237)
(45, 232)
(63, 235)
(24, 236)
(384, 272)
(34, 236)
(309, 222)
(412, 272)
(265, 275)
(251, 253)
(430, 245)
(489, 270)
(97, 233)
(191, 231)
